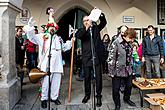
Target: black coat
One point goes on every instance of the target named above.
(99, 49)
(19, 52)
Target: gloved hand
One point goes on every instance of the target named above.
(31, 22)
(29, 26)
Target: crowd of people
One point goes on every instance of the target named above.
(121, 57)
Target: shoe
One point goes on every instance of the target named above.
(57, 102)
(99, 102)
(44, 104)
(117, 107)
(129, 102)
(85, 99)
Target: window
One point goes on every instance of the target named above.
(161, 12)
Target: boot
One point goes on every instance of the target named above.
(99, 102)
(85, 99)
(44, 104)
(117, 107)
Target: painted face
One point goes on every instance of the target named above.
(151, 31)
(51, 11)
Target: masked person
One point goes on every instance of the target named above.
(56, 65)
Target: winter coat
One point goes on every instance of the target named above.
(85, 37)
(117, 59)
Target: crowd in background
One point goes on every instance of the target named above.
(29, 51)
(26, 53)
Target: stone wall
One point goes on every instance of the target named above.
(10, 89)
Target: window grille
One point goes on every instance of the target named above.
(161, 12)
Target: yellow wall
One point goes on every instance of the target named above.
(144, 11)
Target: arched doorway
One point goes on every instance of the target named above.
(68, 19)
(65, 21)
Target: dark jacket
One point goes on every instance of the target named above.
(84, 36)
(152, 48)
(19, 52)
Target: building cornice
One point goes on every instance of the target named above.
(9, 4)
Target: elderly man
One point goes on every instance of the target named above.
(84, 34)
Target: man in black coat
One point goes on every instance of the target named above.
(19, 53)
(91, 28)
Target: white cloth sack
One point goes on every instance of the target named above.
(95, 14)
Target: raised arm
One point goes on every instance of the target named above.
(35, 38)
(29, 30)
(66, 46)
(103, 22)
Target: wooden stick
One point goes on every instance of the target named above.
(71, 72)
(71, 65)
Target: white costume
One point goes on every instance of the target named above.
(56, 65)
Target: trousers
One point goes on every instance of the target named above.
(55, 86)
(116, 83)
(155, 60)
(88, 74)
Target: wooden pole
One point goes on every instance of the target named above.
(71, 73)
(71, 65)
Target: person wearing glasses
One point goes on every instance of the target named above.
(84, 34)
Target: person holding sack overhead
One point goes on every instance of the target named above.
(56, 66)
(84, 34)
